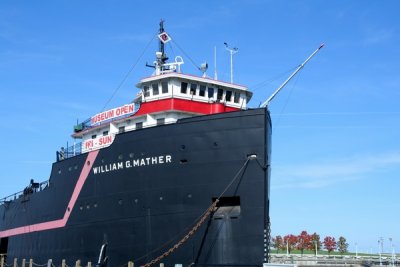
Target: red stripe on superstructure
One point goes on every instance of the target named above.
(182, 105)
(60, 222)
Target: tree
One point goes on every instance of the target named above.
(277, 243)
(303, 241)
(342, 245)
(329, 244)
(290, 241)
(315, 239)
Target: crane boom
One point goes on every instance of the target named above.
(266, 103)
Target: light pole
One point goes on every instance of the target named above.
(380, 247)
(392, 246)
(232, 51)
(287, 248)
(316, 248)
(356, 250)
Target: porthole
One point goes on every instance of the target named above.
(131, 155)
(102, 160)
(120, 202)
(136, 201)
(87, 206)
(76, 167)
(81, 207)
(120, 157)
(88, 162)
(183, 147)
(161, 198)
(189, 195)
(59, 171)
(95, 205)
(70, 169)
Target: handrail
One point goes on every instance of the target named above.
(30, 189)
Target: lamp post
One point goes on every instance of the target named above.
(316, 248)
(287, 248)
(356, 250)
(380, 248)
(232, 51)
(393, 255)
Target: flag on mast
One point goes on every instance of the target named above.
(164, 37)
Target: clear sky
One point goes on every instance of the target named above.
(336, 126)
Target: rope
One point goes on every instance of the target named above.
(205, 215)
(129, 72)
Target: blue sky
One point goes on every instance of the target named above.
(336, 126)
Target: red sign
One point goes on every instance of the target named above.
(99, 142)
(164, 37)
(112, 114)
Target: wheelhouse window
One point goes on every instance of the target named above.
(202, 90)
(236, 97)
(155, 88)
(105, 133)
(139, 125)
(121, 129)
(164, 87)
(210, 92)
(193, 88)
(220, 94)
(160, 121)
(228, 95)
(146, 91)
(94, 136)
(184, 87)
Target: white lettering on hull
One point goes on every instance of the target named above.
(141, 162)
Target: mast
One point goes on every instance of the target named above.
(266, 103)
(163, 59)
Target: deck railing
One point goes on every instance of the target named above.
(18, 263)
(69, 152)
(30, 189)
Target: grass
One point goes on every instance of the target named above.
(321, 252)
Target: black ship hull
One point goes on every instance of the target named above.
(146, 191)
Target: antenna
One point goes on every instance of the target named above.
(215, 63)
(232, 51)
(266, 103)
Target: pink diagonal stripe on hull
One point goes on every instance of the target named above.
(60, 222)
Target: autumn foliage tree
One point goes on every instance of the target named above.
(304, 241)
(329, 244)
(316, 240)
(309, 242)
(277, 243)
(290, 241)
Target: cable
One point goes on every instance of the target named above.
(129, 72)
(287, 100)
(186, 55)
